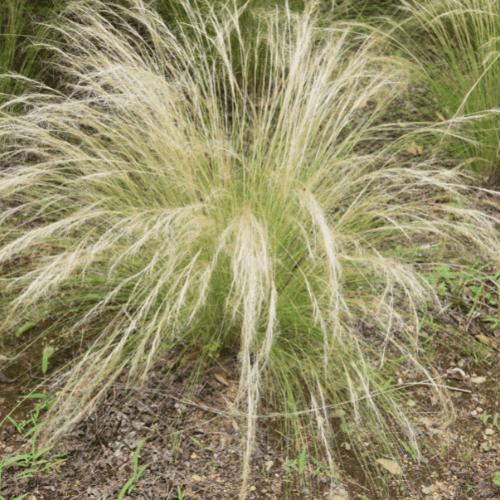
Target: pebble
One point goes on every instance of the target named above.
(426, 490)
(473, 413)
(478, 380)
(489, 432)
(479, 409)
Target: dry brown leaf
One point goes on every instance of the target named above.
(221, 379)
(414, 148)
(390, 465)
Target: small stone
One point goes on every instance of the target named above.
(489, 432)
(340, 494)
(479, 409)
(252, 488)
(268, 465)
(196, 478)
(194, 455)
(426, 490)
(478, 380)
(473, 413)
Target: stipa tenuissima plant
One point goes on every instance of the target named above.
(166, 204)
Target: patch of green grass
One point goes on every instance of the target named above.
(44, 405)
(37, 460)
(171, 204)
(470, 289)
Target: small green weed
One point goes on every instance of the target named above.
(470, 488)
(496, 479)
(457, 281)
(297, 465)
(129, 485)
(47, 352)
(409, 449)
(26, 327)
(427, 319)
(467, 451)
(321, 468)
(345, 427)
(495, 322)
(180, 494)
(387, 384)
(34, 414)
(32, 462)
(202, 446)
(485, 417)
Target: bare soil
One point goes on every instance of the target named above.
(195, 446)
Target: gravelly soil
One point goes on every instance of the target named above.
(200, 454)
(195, 447)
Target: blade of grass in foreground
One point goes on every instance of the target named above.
(173, 203)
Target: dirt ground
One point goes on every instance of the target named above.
(194, 448)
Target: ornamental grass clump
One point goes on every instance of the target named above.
(171, 204)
